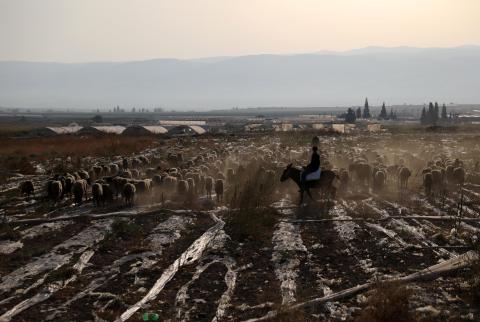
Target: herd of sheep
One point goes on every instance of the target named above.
(138, 177)
(174, 176)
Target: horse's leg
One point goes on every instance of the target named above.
(309, 194)
(301, 196)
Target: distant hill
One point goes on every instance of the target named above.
(394, 75)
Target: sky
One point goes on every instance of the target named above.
(123, 30)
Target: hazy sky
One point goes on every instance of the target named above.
(100, 30)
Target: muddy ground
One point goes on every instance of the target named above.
(204, 265)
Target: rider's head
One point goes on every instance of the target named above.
(315, 149)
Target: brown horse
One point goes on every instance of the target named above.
(325, 183)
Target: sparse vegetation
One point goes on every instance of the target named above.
(7, 232)
(253, 223)
(387, 302)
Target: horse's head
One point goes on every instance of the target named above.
(286, 173)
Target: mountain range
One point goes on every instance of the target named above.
(394, 75)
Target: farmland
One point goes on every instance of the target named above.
(186, 249)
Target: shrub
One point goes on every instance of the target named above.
(121, 231)
(126, 230)
(255, 224)
(8, 233)
(387, 302)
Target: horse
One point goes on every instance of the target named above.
(325, 183)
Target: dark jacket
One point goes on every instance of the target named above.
(314, 164)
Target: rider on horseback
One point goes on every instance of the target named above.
(312, 167)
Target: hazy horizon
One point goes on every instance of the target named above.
(214, 58)
(218, 54)
(394, 75)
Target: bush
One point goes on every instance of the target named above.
(253, 189)
(121, 231)
(126, 230)
(254, 224)
(8, 233)
(387, 302)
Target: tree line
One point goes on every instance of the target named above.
(433, 116)
(352, 115)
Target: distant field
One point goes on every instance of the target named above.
(17, 128)
(16, 154)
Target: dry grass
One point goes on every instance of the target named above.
(16, 154)
(69, 145)
(387, 302)
(19, 128)
(254, 224)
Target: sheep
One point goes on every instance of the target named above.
(126, 174)
(129, 194)
(27, 188)
(143, 186)
(182, 187)
(459, 176)
(191, 188)
(83, 174)
(437, 181)
(135, 173)
(220, 176)
(54, 190)
(230, 175)
(170, 182)
(125, 164)
(79, 190)
(98, 171)
(379, 180)
(449, 176)
(157, 180)
(428, 183)
(114, 169)
(362, 172)
(197, 178)
(97, 194)
(149, 172)
(403, 175)
(107, 193)
(344, 179)
(209, 186)
(69, 181)
(136, 163)
(119, 183)
(144, 160)
(219, 189)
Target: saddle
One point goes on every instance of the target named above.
(314, 175)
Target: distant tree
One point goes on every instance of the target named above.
(97, 118)
(383, 113)
(430, 114)
(350, 117)
(392, 115)
(444, 112)
(423, 117)
(366, 110)
(436, 112)
(359, 113)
